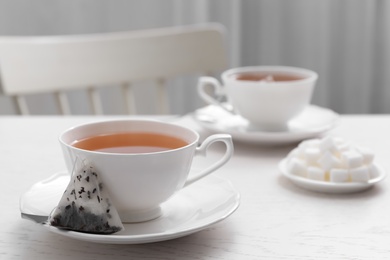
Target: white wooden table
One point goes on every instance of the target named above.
(276, 220)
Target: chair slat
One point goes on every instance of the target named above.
(62, 103)
(162, 96)
(21, 105)
(129, 98)
(95, 101)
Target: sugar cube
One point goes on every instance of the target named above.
(368, 155)
(309, 143)
(360, 174)
(297, 167)
(327, 144)
(312, 155)
(339, 175)
(351, 159)
(341, 148)
(328, 161)
(295, 153)
(315, 173)
(338, 140)
(373, 171)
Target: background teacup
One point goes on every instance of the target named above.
(267, 96)
(146, 167)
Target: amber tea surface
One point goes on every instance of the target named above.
(130, 143)
(266, 76)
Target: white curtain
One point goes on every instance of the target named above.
(346, 42)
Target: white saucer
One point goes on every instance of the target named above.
(192, 209)
(330, 187)
(314, 121)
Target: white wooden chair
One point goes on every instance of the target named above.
(57, 64)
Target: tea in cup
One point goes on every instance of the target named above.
(267, 96)
(142, 163)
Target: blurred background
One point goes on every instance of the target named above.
(346, 42)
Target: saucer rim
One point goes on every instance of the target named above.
(330, 187)
(172, 233)
(263, 137)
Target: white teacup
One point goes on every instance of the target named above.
(267, 96)
(148, 169)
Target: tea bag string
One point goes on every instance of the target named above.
(76, 165)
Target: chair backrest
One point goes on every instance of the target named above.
(40, 64)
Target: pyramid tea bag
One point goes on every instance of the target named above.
(85, 205)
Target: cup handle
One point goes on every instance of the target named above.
(202, 150)
(218, 90)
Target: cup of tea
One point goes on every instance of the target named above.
(267, 96)
(142, 163)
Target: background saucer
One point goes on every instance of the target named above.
(313, 122)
